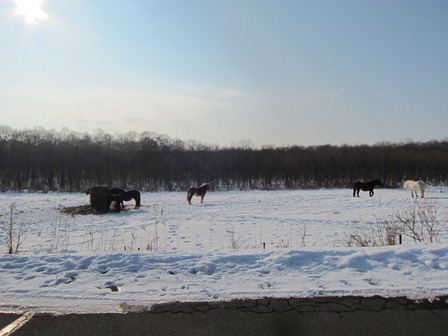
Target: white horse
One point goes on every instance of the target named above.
(414, 187)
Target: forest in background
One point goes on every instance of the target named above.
(48, 160)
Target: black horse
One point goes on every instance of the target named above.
(366, 186)
(129, 195)
(117, 196)
(199, 191)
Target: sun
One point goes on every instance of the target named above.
(31, 10)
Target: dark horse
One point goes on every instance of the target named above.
(366, 186)
(199, 191)
(115, 192)
(129, 195)
(119, 196)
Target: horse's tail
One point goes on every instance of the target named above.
(136, 195)
(190, 193)
(421, 187)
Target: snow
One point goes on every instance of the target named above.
(237, 245)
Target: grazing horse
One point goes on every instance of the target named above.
(116, 197)
(113, 197)
(415, 187)
(366, 186)
(129, 195)
(199, 191)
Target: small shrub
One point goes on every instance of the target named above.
(418, 221)
(14, 232)
(415, 219)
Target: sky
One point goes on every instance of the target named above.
(262, 72)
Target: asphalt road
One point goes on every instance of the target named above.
(315, 316)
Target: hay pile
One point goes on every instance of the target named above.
(98, 198)
(79, 210)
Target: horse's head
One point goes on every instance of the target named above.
(378, 182)
(204, 186)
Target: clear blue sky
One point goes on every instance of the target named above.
(285, 72)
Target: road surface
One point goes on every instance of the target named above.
(295, 316)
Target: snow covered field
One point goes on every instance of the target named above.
(238, 244)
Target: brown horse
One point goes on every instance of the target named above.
(199, 192)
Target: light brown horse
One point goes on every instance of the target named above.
(199, 192)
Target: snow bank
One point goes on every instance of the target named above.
(169, 251)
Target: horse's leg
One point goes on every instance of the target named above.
(371, 193)
(202, 198)
(354, 191)
(189, 196)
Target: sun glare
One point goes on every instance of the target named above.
(31, 10)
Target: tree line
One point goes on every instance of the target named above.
(48, 160)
